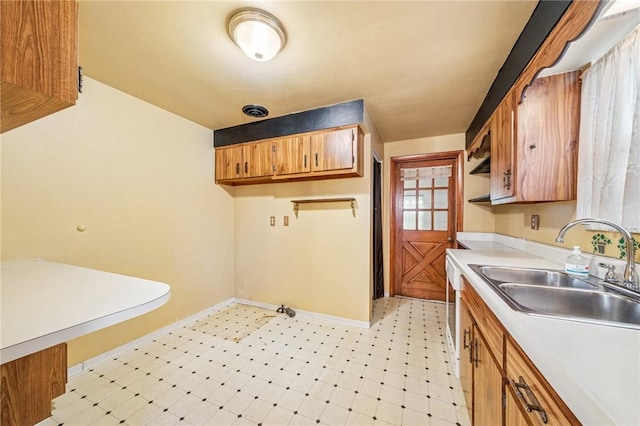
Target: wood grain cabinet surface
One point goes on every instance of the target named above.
(481, 371)
(534, 152)
(325, 154)
(500, 384)
(39, 65)
(30, 383)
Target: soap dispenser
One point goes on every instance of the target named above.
(577, 264)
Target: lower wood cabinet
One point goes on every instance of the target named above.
(30, 383)
(500, 384)
(531, 395)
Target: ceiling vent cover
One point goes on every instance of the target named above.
(255, 111)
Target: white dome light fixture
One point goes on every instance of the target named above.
(259, 34)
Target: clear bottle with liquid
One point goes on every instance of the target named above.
(576, 264)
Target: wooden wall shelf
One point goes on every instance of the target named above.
(351, 200)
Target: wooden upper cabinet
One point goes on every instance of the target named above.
(292, 155)
(244, 161)
(323, 154)
(256, 159)
(535, 152)
(229, 163)
(39, 65)
(502, 144)
(547, 135)
(333, 150)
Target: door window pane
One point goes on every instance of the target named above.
(409, 220)
(424, 199)
(409, 183)
(440, 219)
(424, 221)
(442, 181)
(409, 201)
(440, 198)
(425, 183)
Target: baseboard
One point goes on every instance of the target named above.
(338, 320)
(90, 363)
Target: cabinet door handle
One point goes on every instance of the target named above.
(305, 161)
(237, 168)
(534, 405)
(473, 346)
(246, 167)
(465, 345)
(316, 159)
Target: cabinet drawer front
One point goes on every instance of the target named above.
(532, 390)
(486, 321)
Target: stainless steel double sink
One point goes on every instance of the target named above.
(557, 294)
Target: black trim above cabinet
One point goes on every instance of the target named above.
(343, 114)
(544, 17)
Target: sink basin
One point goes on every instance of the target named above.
(560, 295)
(593, 306)
(532, 276)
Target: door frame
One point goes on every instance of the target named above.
(395, 165)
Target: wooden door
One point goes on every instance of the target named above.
(257, 159)
(229, 163)
(332, 150)
(487, 384)
(502, 142)
(425, 221)
(291, 155)
(466, 368)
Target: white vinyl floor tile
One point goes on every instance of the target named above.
(244, 365)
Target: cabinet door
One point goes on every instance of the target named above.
(487, 384)
(466, 367)
(39, 44)
(532, 390)
(547, 148)
(256, 159)
(502, 142)
(512, 415)
(332, 150)
(229, 163)
(291, 155)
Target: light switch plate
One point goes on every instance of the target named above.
(272, 221)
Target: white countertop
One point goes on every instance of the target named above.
(595, 369)
(45, 303)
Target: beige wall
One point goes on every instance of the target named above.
(515, 220)
(140, 180)
(321, 262)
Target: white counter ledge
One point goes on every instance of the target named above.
(45, 303)
(595, 369)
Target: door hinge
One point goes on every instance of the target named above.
(80, 77)
(353, 136)
(273, 148)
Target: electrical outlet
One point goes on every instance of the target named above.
(535, 221)
(286, 221)
(272, 221)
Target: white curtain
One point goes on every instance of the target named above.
(609, 154)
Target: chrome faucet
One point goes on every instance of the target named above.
(630, 278)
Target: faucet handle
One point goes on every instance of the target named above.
(610, 276)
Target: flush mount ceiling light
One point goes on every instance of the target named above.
(259, 34)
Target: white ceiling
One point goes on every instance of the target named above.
(423, 67)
